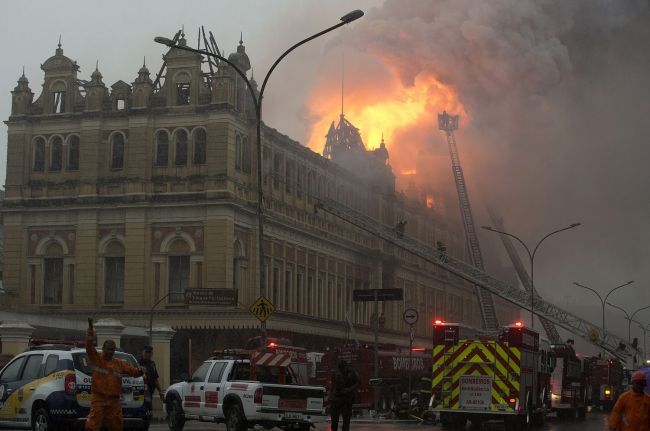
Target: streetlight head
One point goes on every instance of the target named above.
(164, 40)
(575, 224)
(352, 16)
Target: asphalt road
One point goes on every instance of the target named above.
(595, 421)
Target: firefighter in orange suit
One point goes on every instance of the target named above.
(105, 405)
(632, 410)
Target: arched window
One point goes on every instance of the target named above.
(238, 152)
(183, 89)
(181, 148)
(117, 151)
(58, 97)
(73, 153)
(56, 154)
(114, 273)
(162, 148)
(53, 274)
(245, 156)
(199, 146)
(39, 155)
(179, 270)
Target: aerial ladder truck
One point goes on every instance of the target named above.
(449, 123)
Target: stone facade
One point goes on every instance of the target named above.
(117, 198)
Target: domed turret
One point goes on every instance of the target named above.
(21, 97)
(240, 58)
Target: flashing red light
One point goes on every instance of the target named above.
(417, 349)
(512, 400)
(519, 324)
(272, 344)
(438, 322)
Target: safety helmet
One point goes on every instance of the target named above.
(638, 375)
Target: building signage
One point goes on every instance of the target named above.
(475, 392)
(211, 297)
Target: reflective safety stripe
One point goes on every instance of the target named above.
(105, 371)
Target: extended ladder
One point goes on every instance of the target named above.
(569, 321)
(449, 123)
(551, 330)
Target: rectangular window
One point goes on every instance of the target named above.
(183, 94)
(276, 286)
(299, 181)
(114, 280)
(277, 160)
(53, 280)
(265, 165)
(299, 292)
(59, 102)
(288, 176)
(310, 295)
(120, 104)
(287, 289)
(179, 277)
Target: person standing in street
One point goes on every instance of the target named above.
(345, 383)
(151, 372)
(632, 409)
(105, 403)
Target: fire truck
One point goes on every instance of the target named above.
(298, 355)
(568, 383)
(393, 375)
(604, 381)
(484, 378)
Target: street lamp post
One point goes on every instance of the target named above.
(257, 100)
(628, 317)
(645, 334)
(531, 257)
(603, 301)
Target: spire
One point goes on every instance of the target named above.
(182, 41)
(241, 37)
(342, 81)
(59, 50)
(144, 62)
(97, 65)
(96, 77)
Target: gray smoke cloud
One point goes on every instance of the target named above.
(557, 97)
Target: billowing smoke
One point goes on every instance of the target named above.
(557, 129)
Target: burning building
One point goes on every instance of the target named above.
(121, 198)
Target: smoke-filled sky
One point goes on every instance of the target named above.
(554, 98)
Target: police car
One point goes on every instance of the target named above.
(48, 387)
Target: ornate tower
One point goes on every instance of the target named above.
(21, 97)
(60, 88)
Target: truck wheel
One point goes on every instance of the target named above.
(175, 419)
(41, 420)
(235, 420)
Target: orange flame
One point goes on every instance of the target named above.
(409, 172)
(430, 201)
(384, 113)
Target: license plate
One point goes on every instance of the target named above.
(290, 415)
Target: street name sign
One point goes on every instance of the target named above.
(360, 295)
(211, 296)
(262, 308)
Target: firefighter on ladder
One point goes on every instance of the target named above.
(632, 410)
(106, 405)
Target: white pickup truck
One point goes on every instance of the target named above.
(221, 390)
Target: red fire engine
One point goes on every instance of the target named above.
(604, 381)
(568, 383)
(481, 378)
(393, 373)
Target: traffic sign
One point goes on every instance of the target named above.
(262, 308)
(382, 294)
(410, 316)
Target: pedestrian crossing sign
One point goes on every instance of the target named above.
(262, 308)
